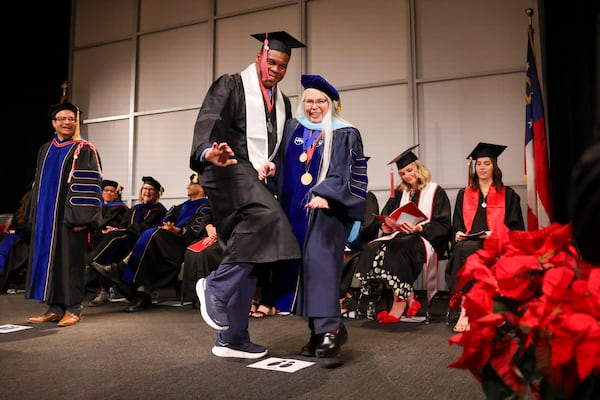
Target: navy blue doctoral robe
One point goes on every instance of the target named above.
(322, 233)
(66, 194)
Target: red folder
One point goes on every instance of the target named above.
(407, 213)
(202, 244)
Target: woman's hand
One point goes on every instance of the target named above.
(266, 170)
(410, 228)
(109, 229)
(171, 227)
(385, 228)
(318, 202)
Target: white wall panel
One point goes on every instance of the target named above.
(159, 14)
(103, 20)
(163, 143)
(173, 69)
(463, 36)
(381, 116)
(233, 6)
(101, 81)
(111, 140)
(456, 115)
(353, 42)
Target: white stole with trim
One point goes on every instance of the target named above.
(256, 119)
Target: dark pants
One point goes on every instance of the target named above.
(234, 284)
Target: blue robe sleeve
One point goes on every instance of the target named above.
(345, 185)
(83, 206)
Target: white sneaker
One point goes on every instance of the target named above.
(247, 350)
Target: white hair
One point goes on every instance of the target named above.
(327, 129)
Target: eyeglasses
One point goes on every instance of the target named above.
(63, 119)
(318, 102)
(110, 190)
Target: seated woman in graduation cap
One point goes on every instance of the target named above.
(396, 259)
(119, 240)
(481, 207)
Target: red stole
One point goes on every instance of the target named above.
(495, 210)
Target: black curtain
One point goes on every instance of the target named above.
(569, 34)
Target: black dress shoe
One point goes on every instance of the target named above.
(308, 350)
(331, 342)
(141, 301)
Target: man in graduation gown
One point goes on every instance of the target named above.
(65, 205)
(239, 129)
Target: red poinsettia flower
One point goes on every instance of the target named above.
(531, 294)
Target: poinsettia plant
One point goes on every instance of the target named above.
(534, 315)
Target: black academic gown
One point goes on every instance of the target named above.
(249, 221)
(112, 215)
(117, 244)
(156, 262)
(199, 264)
(513, 219)
(14, 253)
(405, 254)
(369, 229)
(66, 194)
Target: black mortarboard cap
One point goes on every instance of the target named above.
(194, 178)
(319, 83)
(115, 184)
(280, 41)
(152, 182)
(54, 109)
(108, 182)
(405, 158)
(486, 150)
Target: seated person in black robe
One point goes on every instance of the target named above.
(395, 261)
(481, 207)
(368, 229)
(14, 247)
(119, 240)
(113, 211)
(156, 257)
(200, 259)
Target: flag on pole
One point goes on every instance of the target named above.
(537, 174)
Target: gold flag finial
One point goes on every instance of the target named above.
(529, 13)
